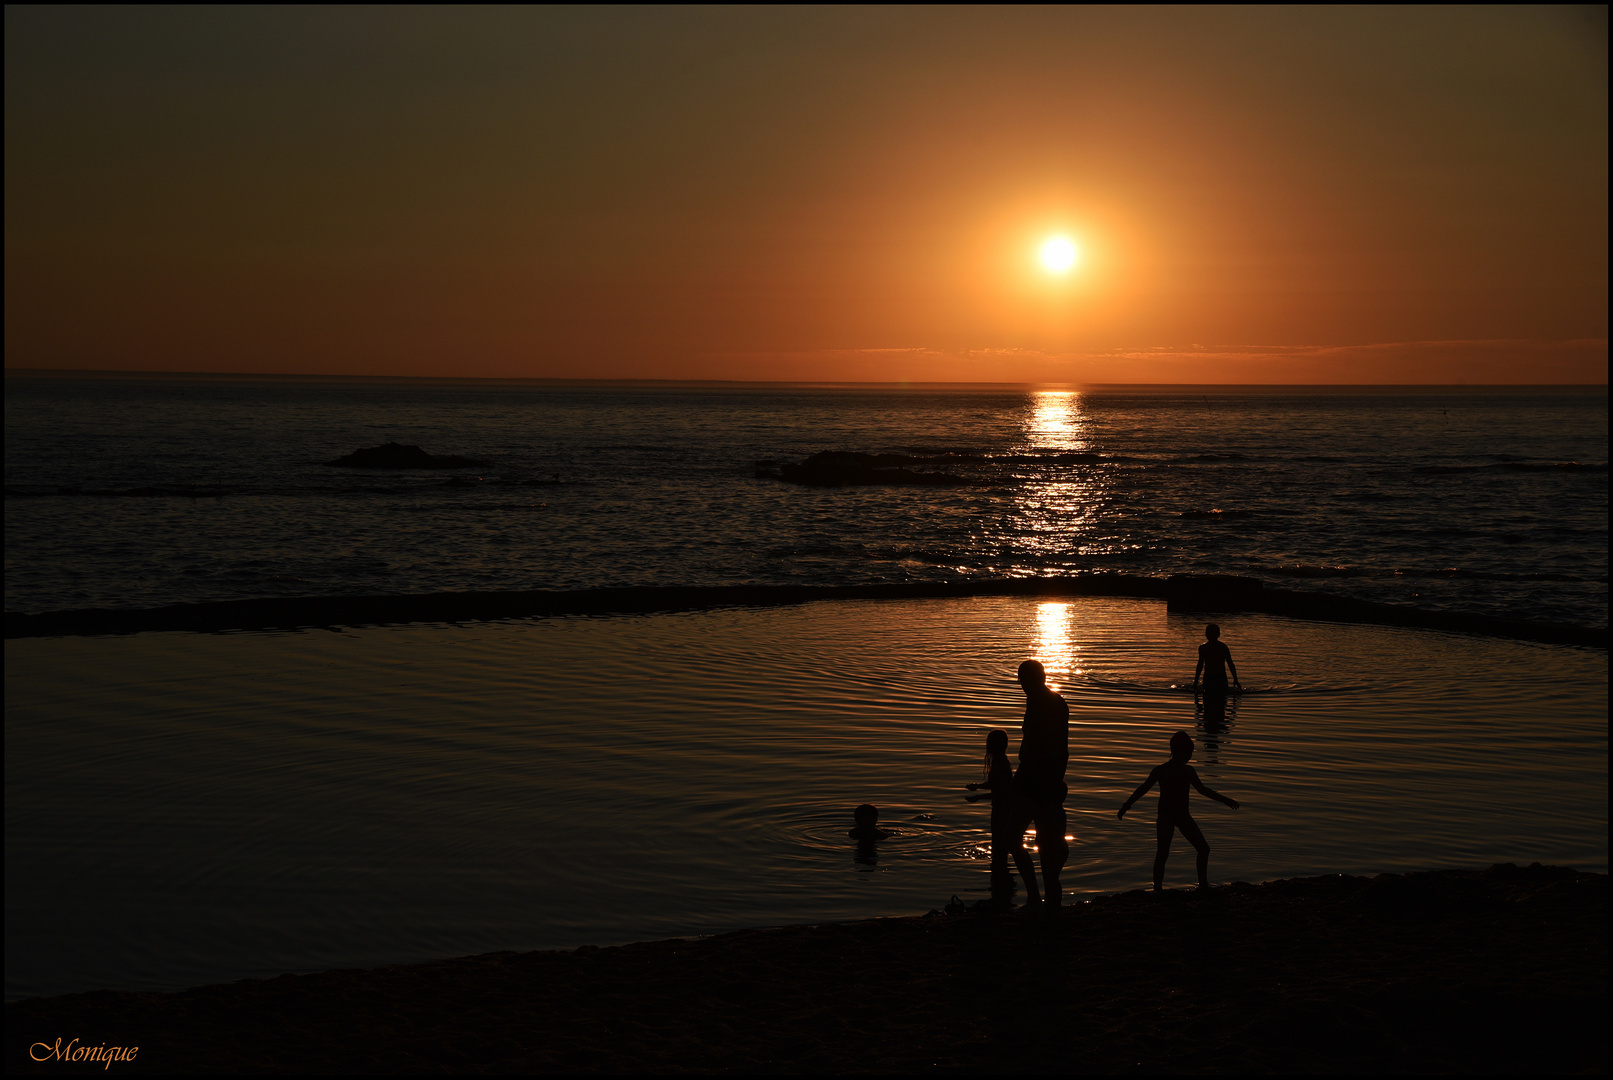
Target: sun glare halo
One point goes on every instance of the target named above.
(1058, 255)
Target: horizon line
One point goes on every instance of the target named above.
(237, 376)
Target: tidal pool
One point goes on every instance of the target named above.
(186, 808)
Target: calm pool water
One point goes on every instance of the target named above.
(185, 808)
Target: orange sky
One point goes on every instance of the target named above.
(1262, 195)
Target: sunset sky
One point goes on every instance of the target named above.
(1288, 195)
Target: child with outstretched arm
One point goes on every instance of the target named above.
(1173, 778)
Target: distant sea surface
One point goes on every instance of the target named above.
(136, 492)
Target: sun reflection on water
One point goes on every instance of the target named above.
(1056, 422)
(1055, 644)
(1059, 506)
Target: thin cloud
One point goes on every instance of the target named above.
(1476, 361)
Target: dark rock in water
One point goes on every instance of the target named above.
(1211, 592)
(839, 468)
(397, 456)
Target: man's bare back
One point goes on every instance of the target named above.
(1039, 789)
(1044, 745)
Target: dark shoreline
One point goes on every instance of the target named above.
(1223, 595)
(1495, 971)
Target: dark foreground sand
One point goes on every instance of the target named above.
(1450, 971)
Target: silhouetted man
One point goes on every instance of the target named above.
(1039, 790)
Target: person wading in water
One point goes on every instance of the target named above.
(1214, 659)
(1039, 789)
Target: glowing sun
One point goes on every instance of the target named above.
(1058, 255)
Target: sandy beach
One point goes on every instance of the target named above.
(1503, 970)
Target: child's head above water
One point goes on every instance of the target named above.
(866, 816)
(1181, 746)
(1212, 632)
(997, 743)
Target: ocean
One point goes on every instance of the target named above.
(141, 492)
(184, 808)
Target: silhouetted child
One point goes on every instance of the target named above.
(1214, 660)
(867, 818)
(999, 777)
(1173, 777)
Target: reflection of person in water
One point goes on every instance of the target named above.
(1039, 790)
(1214, 660)
(998, 784)
(1173, 778)
(1216, 715)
